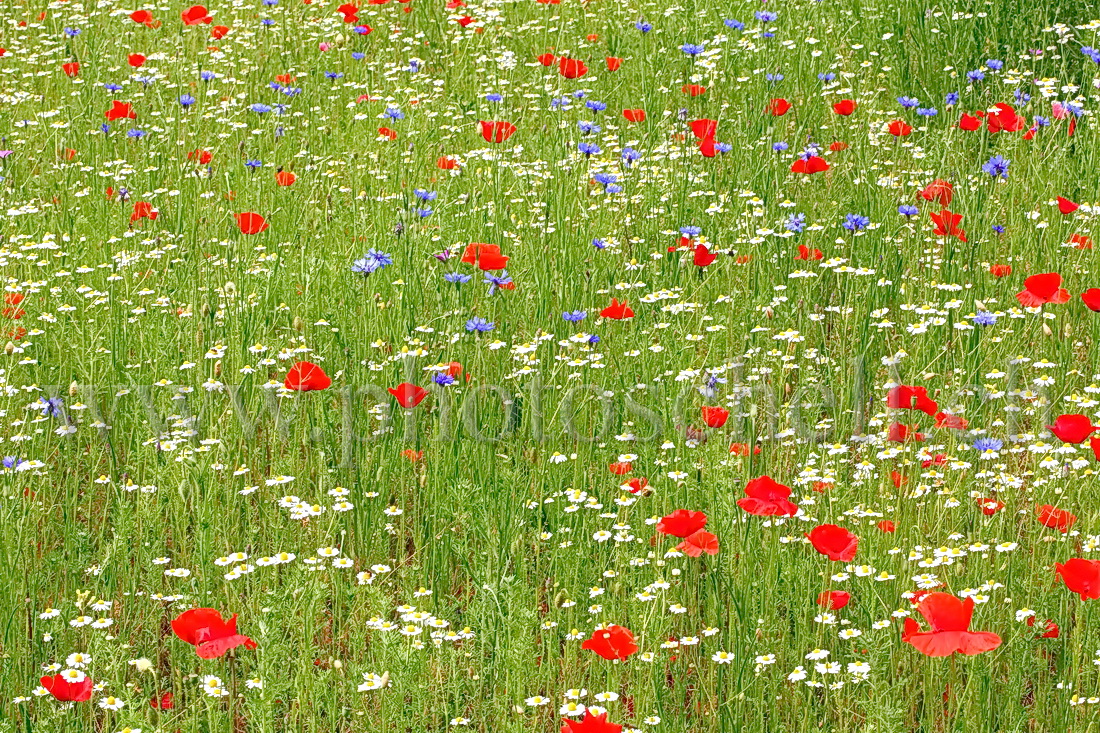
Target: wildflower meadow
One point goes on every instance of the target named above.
(549, 365)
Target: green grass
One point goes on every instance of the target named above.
(125, 323)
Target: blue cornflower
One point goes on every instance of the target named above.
(773, 77)
(997, 166)
(579, 94)
(72, 32)
(995, 64)
(593, 339)
(144, 80)
(599, 243)
(927, 111)
(334, 75)
(423, 195)
(1021, 96)
(826, 76)
(951, 99)
(766, 16)
(414, 66)
(494, 97)
(589, 148)
(559, 103)
(693, 49)
(50, 407)
(358, 55)
(595, 106)
(393, 113)
(443, 379)
(587, 127)
(207, 75)
(605, 179)
(795, 223)
(495, 281)
(574, 316)
(855, 222)
(424, 213)
(734, 24)
(630, 155)
(370, 262)
(135, 133)
(113, 87)
(267, 21)
(105, 128)
(362, 29)
(908, 210)
(253, 164)
(1041, 121)
(975, 75)
(983, 445)
(985, 318)
(780, 146)
(723, 147)
(186, 100)
(13, 461)
(270, 3)
(479, 325)
(908, 102)
(643, 26)
(457, 278)
(691, 231)
(998, 229)
(260, 109)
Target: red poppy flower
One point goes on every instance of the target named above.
(634, 115)
(703, 129)
(947, 224)
(990, 507)
(1094, 443)
(778, 107)
(1004, 119)
(939, 191)
(1000, 270)
(408, 395)
(742, 449)
(590, 723)
(613, 642)
(813, 164)
(1091, 298)
(547, 59)
(887, 526)
(765, 497)
(349, 12)
(682, 523)
(949, 619)
(202, 156)
(1066, 206)
(695, 544)
(445, 163)
(219, 32)
(120, 111)
(209, 633)
(196, 15)
(906, 397)
(71, 69)
(306, 377)
(715, 417)
(707, 147)
(1055, 518)
(285, 178)
(1050, 629)
(164, 702)
(143, 210)
(844, 107)
(387, 133)
(1080, 241)
(693, 90)
(835, 542)
(1072, 428)
(143, 17)
(250, 223)
(702, 256)
(970, 123)
(805, 253)
(901, 433)
(617, 311)
(837, 145)
(1040, 289)
(613, 63)
(637, 485)
(496, 132)
(571, 68)
(951, 422)
(834, 600)
(1081, 576)
(68, 691)
(898, 128)
(485, 256)
(464, 21)
(620, 468)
